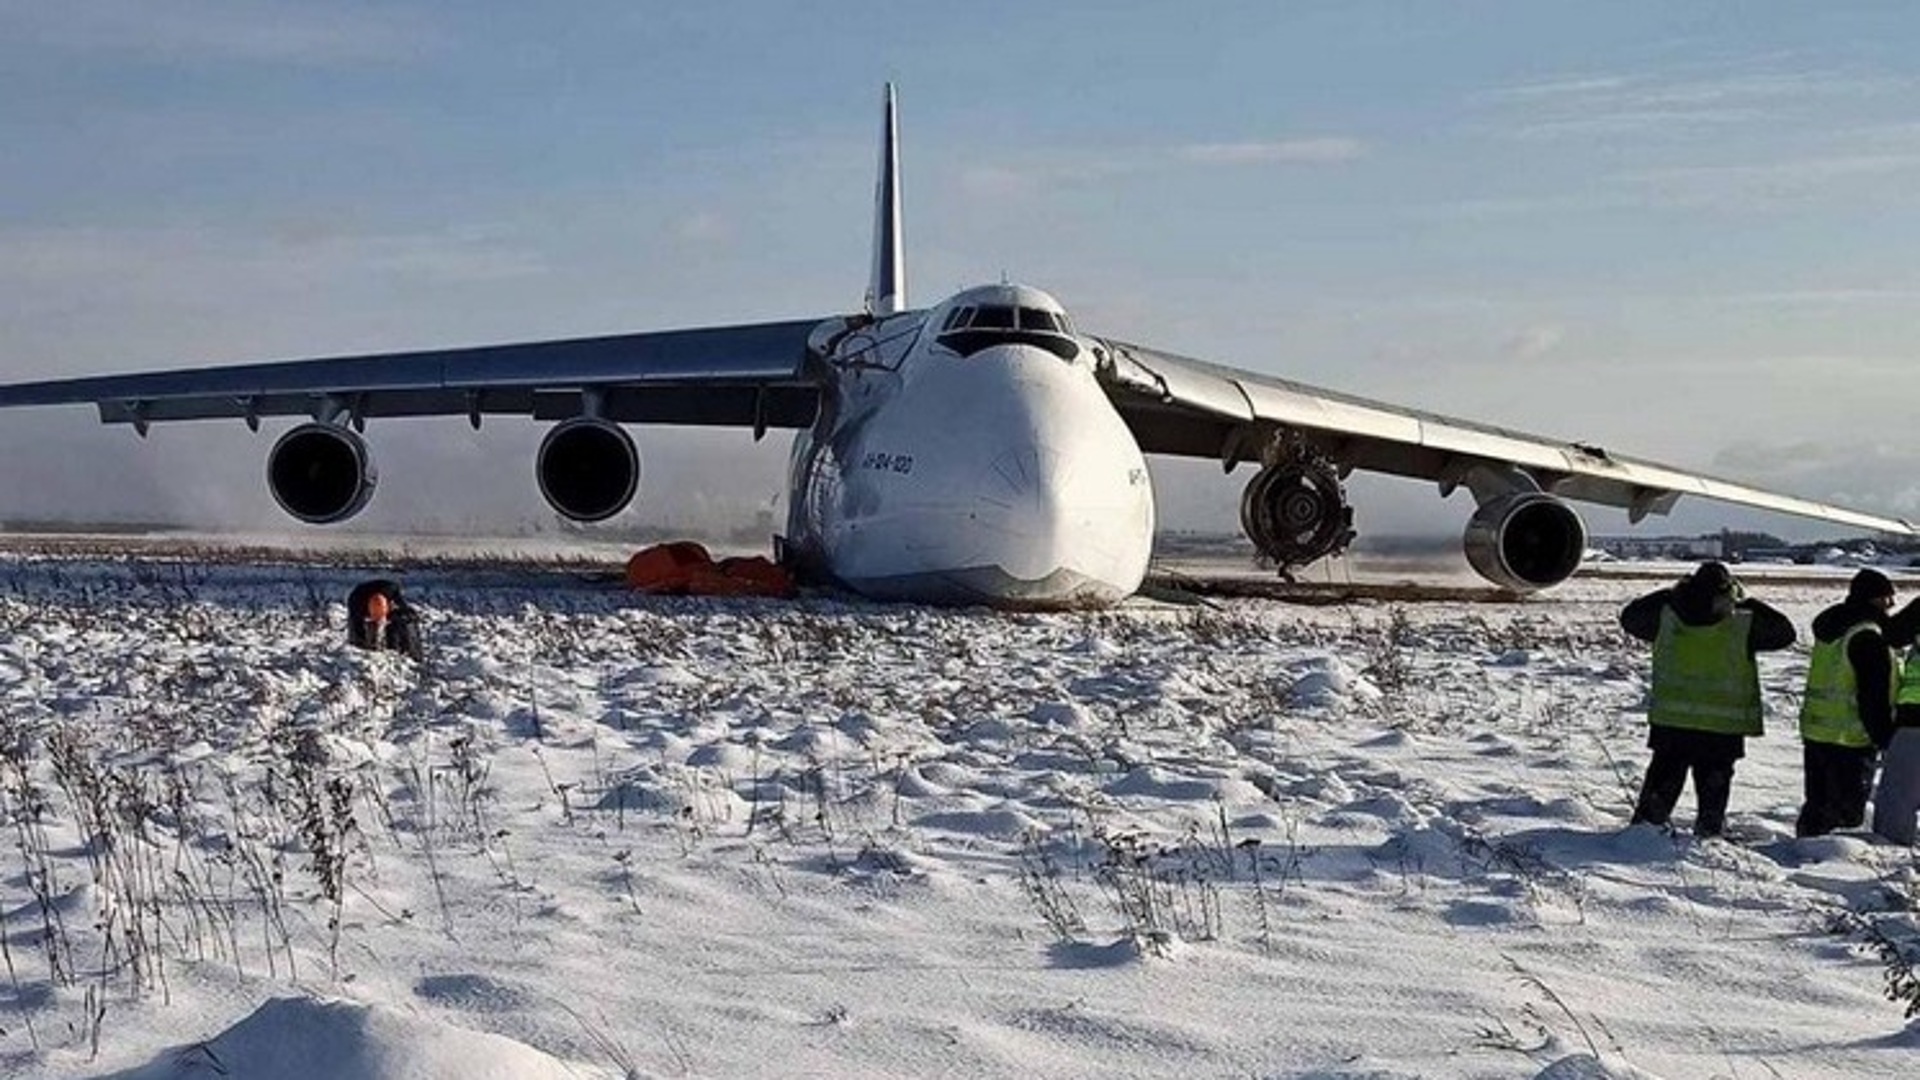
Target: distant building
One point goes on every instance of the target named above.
(1792, 554)
(1661, 547)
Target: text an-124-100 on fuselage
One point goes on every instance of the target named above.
(985, 450)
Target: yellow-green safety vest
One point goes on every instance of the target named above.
(1831, 711)
(1909, 693)
(1704, 677)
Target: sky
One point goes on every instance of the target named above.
(1681, 232)
(606, 836)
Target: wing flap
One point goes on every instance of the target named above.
(1291, 406)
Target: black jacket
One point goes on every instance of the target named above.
(1904, 625)
(1873, 673)
(1698, 607)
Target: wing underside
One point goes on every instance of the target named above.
(1185, 407)
(755, 375)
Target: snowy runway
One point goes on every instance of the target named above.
(734, 838)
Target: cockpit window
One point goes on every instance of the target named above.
(993, 318)
(967, 330)
(1040, 319)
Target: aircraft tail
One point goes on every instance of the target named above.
(887, 291)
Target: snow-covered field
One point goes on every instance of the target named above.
(600, 835)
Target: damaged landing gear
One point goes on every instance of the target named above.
(1294, 509)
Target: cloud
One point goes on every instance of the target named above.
(1677, 102)
(76, 299)
(1758, 135)
(1835, 297)
(166, 257)
(1775, 183)
(1869, 475)
(196, 31)
(1840, 178)
(1532, 343)
(1322, 151)
(1027, 178)
(1002, 181)
(704, 228)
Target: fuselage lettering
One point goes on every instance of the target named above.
(882, 461)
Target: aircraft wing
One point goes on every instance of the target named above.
(1186, 407)
(754, 375)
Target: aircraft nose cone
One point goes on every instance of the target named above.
(1026, 478)
(1064, 495)
(1027, 494)
(1026, 489)
(1053, 501)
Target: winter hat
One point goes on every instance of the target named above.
(1870, 584)
(1713, 577)
(1711, 590)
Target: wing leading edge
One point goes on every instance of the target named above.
(756, 375)
(1185, 407)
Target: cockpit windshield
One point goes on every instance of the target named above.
(970, 328)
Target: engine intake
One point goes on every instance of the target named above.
(321, 473)
(1525, 541)
(1294, 510)
(588, 469)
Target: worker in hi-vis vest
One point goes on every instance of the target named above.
(1896, 801)
(1704, 698)
(1848, 712)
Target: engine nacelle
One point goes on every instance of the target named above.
(588, 469)
(321, 473)
(1294, 510)
(1525, 541)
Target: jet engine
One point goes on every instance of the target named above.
(1294, 510)
(1525, 540)
(588, 469)
(321, 473)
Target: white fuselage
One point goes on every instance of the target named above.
(961, 466)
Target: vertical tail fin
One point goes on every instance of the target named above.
(887, 292)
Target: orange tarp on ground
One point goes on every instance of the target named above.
(683, 567)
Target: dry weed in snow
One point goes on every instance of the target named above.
(606, 835)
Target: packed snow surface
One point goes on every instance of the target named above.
(604, 835)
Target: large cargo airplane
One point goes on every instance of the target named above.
(983, 450)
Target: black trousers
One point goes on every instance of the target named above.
(1709, 756)
(1839, 780)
